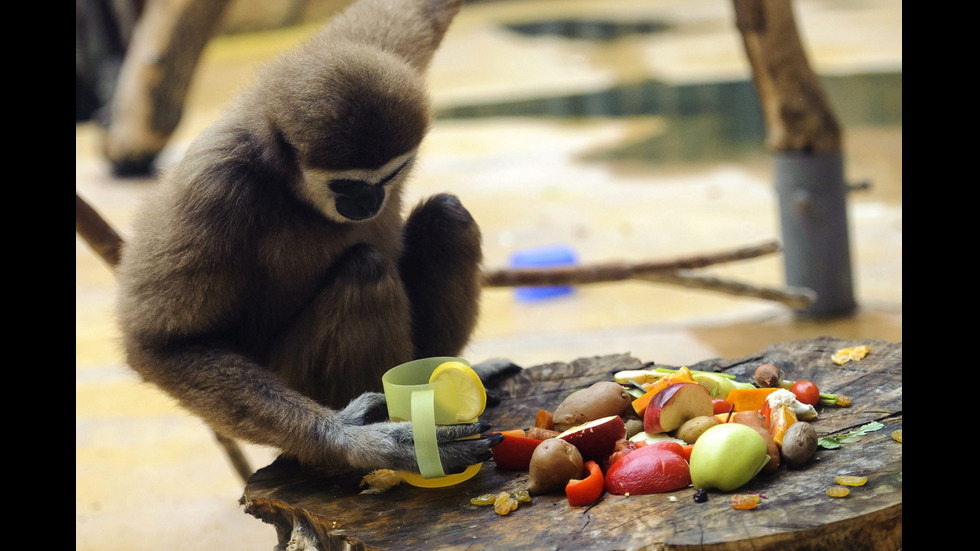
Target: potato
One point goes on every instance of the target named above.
(692, 428)
(799, 443)
(634, 426)
(755, 420)
(600, 400)
(553, 463)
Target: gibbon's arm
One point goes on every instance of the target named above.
(183, 287)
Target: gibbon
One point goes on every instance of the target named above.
(272, 279)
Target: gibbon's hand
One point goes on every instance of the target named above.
(369, 442)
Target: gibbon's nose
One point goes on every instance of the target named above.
(358, 202)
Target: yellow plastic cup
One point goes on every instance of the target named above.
(410, 397)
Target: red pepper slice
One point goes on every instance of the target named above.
(515, 451)
(588, 489)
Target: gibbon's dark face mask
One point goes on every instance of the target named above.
(361, 200)
(357, 200)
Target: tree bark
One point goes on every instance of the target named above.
(797, 112)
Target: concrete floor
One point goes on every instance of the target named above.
(150, 477)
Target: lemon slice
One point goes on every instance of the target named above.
(462, 390)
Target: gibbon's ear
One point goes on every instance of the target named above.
(411, 29)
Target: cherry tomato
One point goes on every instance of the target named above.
(806, 392)
(720, 406)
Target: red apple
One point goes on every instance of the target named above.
(674, 405)
(596, 439)
(648, 470)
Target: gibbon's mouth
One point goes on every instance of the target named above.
(361, 205)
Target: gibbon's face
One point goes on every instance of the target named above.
(355, 119)
(356, 194)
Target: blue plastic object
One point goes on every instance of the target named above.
(543, 257)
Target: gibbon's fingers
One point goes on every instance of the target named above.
(458, 455)
(448, 433)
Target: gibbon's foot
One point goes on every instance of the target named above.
(444, 220)
(492, 372)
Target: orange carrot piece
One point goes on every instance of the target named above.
(545, 419)
(749, 399)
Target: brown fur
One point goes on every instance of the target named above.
(248, 297)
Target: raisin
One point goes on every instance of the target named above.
(504, 503)
(745, 501)
(522, 495)
(485, 499)
(838, 491)
(851, 480)
(897, 435)
(701, 496)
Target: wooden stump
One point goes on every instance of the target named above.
(795, 514)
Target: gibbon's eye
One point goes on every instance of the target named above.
(346, 187)
(395, 172)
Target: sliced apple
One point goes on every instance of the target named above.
(718, 385)
(638, 376)
(647, 438)
(596, 439)
(674, 405)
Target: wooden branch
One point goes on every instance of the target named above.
(104, 240)
(794, 297)
(97, 233)
(155, 76)
(797, 112)
(619, 271)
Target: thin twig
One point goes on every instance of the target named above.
(97, 233)
(617, 271)
(794, 297)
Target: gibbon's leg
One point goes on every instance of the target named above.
(354, 330)
(440, 267)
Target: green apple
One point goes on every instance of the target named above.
(726, 456)
(718, 385)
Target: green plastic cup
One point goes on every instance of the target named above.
(411, 397)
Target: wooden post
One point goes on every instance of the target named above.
(153, 81)
(804, 137)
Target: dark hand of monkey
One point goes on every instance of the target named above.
(371, 442)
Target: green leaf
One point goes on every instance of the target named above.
(834, 442)
(828, 442)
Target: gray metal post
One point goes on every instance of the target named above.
(813, 219)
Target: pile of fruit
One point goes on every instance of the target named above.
(661, 430)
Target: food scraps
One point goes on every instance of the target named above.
(659, 431)
(380, 481)
(853, 353)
